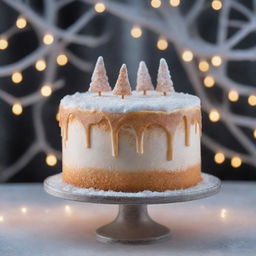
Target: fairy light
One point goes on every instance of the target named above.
(209, 81)
(3, 43)
(48, 39)
(24, 210)
(254, 133)
(236, 161)
(17, 109)
(155, 3)
(203, 66)
(219, 158)
(1, 218)
(99, 7)
(51, 160)
(233, 95)
(68, 210)
(214, 115)
(187, 56)
(216, 61)
(223, 213)
(174, 3)
(136, 32)
(46, 90)
(21, 22)
(62, 59)
(17, 77)
(252, 100)
(162, 44)
(40, 65)
(216, 5)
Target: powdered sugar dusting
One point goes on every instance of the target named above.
(108, 102)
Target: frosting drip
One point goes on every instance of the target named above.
(138, 121)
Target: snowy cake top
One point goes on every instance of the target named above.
(108, 102)
(123, 100)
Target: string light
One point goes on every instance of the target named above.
(216, 61)
(254, 133)
(48, 39)
(40, 65)
(3, 43)
(187, 56)
(24, 210)
(46, 90)
(252, 100)
(236, 161)
(219, 158)
(214, 115)
(209, 81)
(21, 22)
(68, 209)
(174, 3)
(223, 213)
(162, 44)
(51, 160)
(233, 95)
(203, 66)
(1, 218)
(17, 109)
(62, 59)
(216, 5)
(155, 3)
(17, 77)
(136, 32)
(99, 7)
(58, 116)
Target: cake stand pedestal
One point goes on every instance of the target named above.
(133, 223)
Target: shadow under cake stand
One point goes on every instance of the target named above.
(133, 223)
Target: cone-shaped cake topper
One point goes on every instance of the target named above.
(164, 81)
(99, 82)
(144, 82)
(122, 86)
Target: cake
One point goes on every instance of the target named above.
(130, 141)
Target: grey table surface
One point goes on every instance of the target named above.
(35, 223)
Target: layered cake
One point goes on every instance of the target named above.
(124, 140)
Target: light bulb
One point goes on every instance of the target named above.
(219, 158)
(1, 218)
(21, 22)
(155, 3)
(252, 100)
(216, 5)
(17, 77)
(3, 43)
(48, 39)
(23, 210)
(58, 116)
(223, 213)
(46, 90)
(99, 7)
(40, 65)
(136, 32)
(236, 161)
(254, 133)
(51, 160)
(214, 115)
(216, 61)
(233, 95)
(187, 56)
(174, 3)
(17, 109)
(203, 66)
(162, 44)
(62, 59)
(209, 81)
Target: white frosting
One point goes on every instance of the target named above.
(76, 155)
(108, 102)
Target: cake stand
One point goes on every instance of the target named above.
(133, 223)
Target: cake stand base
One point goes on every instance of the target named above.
(132, 224)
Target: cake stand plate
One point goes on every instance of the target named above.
(132, 224)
